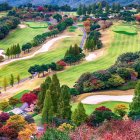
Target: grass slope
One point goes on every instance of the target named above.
(121, 43)
(21, 67)
(21, 36)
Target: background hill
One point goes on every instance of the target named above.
(62, 2)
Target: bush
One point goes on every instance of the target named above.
(100, 115)
(4, 117)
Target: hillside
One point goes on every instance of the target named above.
(69, 2)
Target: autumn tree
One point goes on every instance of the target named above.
(5, 84)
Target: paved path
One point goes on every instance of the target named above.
(45, 47)
(95, 99)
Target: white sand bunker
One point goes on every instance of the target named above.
(22, 26)
(91, 57)
(2, 53)
(95, 99)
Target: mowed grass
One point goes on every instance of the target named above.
(124, 29)
(2, 14)
(37, 25)
(21, 36)
(121, 43)
(90, 108)
(21, 67)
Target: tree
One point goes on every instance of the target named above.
(11, 80)
(58, 17)
(89, 9)
(5, 84)
(121, 109)
(4, 117)
(64, 103)
(79, 115)
(107, 8)
(135, 104)
(8, 53)
(94, 8)
(4, 105)
(47, 112)
(13, 101)
(18, 78)
(79, 10)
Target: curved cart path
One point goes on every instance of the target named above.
(45, 47)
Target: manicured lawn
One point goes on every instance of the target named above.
(21, 36)
(90, 108)
(121, 43)
(124, 29)
(72, 28)
(19, 95)
(21, 67)
(37, 24)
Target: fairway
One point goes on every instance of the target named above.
(21, 36)
(21, 67)
(124, 29)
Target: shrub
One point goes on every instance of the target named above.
(62, 63)
(4, 117)
(100, 115)
(65, 127)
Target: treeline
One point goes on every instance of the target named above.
(39, 39)
(5, 7)
(7, 24)
(98, 8)
(11, 81)
(93, 41)
(73, 55)
(14, 51)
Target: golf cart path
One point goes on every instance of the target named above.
(45, 47)
(96, 99)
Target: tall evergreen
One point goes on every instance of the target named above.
(135, 104)
(11, 80)
(8, 53)
(47, 112)
(84, 10)
(79, 115)
(5, 84)
(79, 10)
(44, 87)
(94, 8)
(64, 103)
(89, 9)
(107, 8)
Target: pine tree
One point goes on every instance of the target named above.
(47, 112)
(114, 8)
(94, 8)
(138, 8)
(64, 103)
(8, 53)
(89, 9)
(135, 104)
(5, 84)
(79, 10)
(84, 10)
(11, 80)
(18, 78)
(100, 7)
(107, 8)
(79, 115)
(44, 87)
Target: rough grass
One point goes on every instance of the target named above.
(21, 36)
(124, 29)
(72, 28)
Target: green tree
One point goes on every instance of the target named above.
(47, 112)
(107, 8)
(79, 10)
(4, 105)
(135, 104)
(94, 8)
(18, 78)
(84, 10)
(64, 107)
(89, 9)
(13, 101)
(11, 80)
(79, 115)
(5, 84)
(8, 53)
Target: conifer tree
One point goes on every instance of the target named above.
(18, 78)
(135, 104)
(94, 8)
(8, 53)
(79, 115)
(79, 10)
(5, 84)
(47, 112)
(64, 103)
(107, 8)
(11, 80)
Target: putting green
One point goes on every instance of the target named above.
(128, 30)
